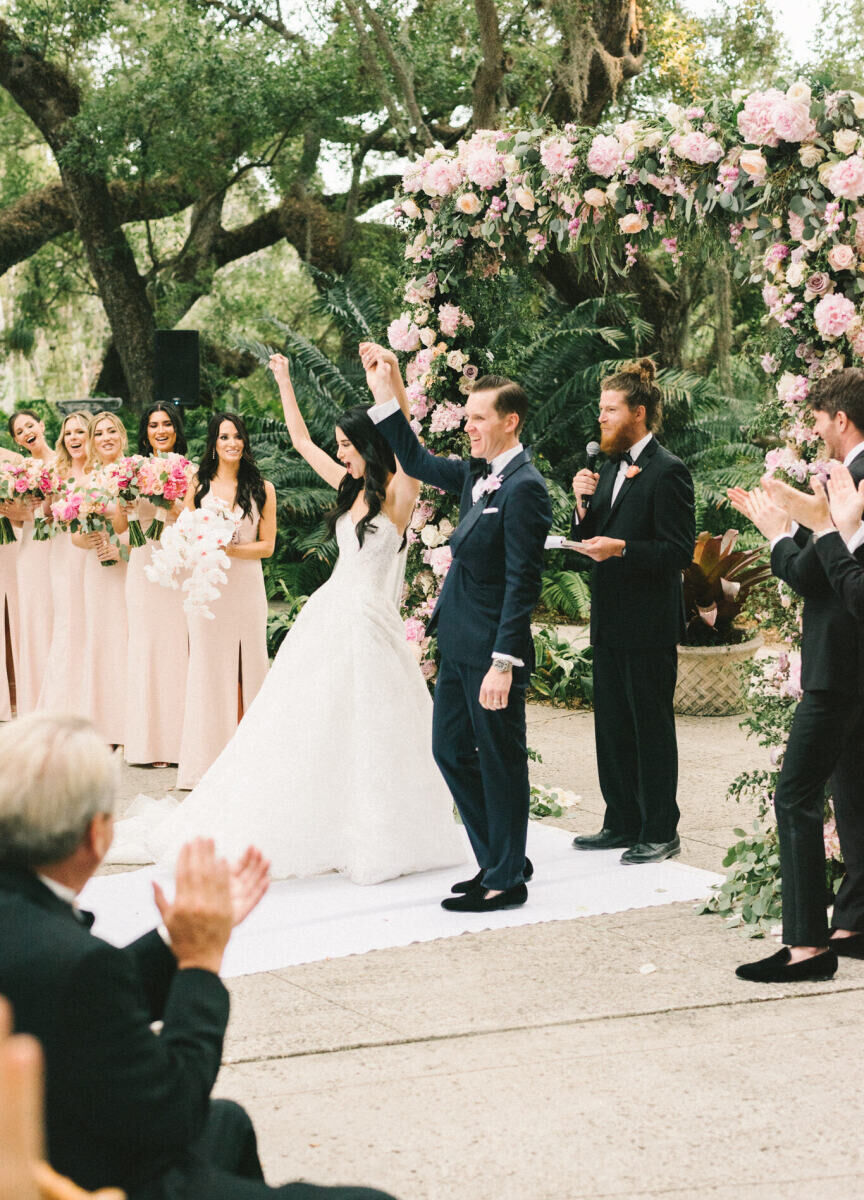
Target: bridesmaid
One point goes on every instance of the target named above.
(8, 606)
(228, 655)
(35, 602)
(103, 690)
(64, 668)
(158, 654)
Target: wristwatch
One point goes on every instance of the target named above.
(504, 665)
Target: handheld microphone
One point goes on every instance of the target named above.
(591, 452)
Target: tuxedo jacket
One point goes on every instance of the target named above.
(637, 602)
(493, 583)
(832, 641)
(845, 572)
(123, 1104)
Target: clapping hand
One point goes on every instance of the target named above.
(769, 518)
(846, 501)
(807, 509)
(250, 878)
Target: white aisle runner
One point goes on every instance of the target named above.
(305, 920)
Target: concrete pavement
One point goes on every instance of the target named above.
(610, 1056)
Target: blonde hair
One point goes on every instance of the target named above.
(636, 381)
(63, 461)
(56, 775)
(93, 459)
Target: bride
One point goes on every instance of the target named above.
(331, 767)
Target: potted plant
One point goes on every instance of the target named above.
(717, 584)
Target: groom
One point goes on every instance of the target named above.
(482, 620)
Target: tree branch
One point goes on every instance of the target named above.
(401, 72)
(493, 67)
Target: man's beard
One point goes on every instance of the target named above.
(615, 443)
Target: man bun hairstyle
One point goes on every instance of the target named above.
(637, 382)
(509, 396)
(841, 391)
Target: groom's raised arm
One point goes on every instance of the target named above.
(418, 462)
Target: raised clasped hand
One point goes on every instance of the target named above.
(768, 517)
(807, 508)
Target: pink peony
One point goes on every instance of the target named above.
(448, 319)
(696, 147)
(445, 417)
(846, 178)
(439, 559)
(833, 315)
(792, 121)
(441, 177)
(555, 153)
(796, 226)
(604, 155)
(415, 630)
(480, 160)
(403, 334)
(412, 180)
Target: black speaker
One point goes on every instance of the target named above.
(175, 367)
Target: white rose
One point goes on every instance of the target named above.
(810, 156)
(596, 197)
(632, 222)
(674, 114)
(525, 197)
(845, 140)
(421, 316)
(799, 93)
(652, 139)
(456, 359)
(857, 104)
(468, 203)
(510, 163)
(612, 191)
(429, 216)
(445, 527)
(430, 536)
(410, 209)
(754, 164)
(796, 273)
(427, 336)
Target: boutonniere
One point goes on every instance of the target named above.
(488, 485)
(632, 471)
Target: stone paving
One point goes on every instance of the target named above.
(541, 1063)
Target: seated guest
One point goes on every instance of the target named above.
(125, 1107)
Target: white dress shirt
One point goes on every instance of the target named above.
(623, 467)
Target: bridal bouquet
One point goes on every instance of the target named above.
(163, 479)
(121, 476)
(32, 483)
(85, 510)
(195, 543)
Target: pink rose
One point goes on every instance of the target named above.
(632, 223)
(468, 203)
(819, 283)
(754, 164)
(833, 315)
(841, 257)
(555, 154)
(796, 226)
(448, 319)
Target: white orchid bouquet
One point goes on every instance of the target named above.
(195, 543)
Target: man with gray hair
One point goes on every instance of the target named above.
(125, 1107)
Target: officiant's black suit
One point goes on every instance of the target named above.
(637, 620)
(126, 1107)
(826, 741)
(485, 604)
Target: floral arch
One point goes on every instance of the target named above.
(778, 174)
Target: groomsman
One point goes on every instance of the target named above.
(635, 520)
(482, 621)
(826, 741)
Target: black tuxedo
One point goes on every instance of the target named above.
(126, 1107)
(637, 619)
(826, 741)
(485, 605)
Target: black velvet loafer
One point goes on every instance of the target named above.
(476, 901)
(471, 885)
(848, 947)
(778, 968)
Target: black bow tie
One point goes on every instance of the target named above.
(86, 918)
(625, 458)
(480, 468)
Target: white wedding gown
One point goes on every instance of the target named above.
(331, 768)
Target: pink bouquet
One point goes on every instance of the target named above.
(34, 482)
(121, 477)
(7, 493)
(164, 479)
(85, 510)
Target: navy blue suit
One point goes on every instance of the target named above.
(485, 604)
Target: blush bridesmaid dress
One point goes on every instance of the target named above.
(35, 617)
(8, 627)
(64, 665)
(103, 692)
(226, 653)
(156, 663)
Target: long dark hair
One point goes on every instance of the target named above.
(360, 430)
(172, 411)
(21, 412)
(250, 484)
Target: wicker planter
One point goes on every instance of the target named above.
(709, 679)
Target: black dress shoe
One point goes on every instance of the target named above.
(848, 947)
(778, 968)
(476, 901)
(606, 839)
(648, 852)
(471, 885)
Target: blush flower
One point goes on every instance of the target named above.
(841, 257)
(846, 178)
(604, 155)
(833, 315)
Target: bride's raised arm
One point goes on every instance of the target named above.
(371, 354)
(319, 460)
